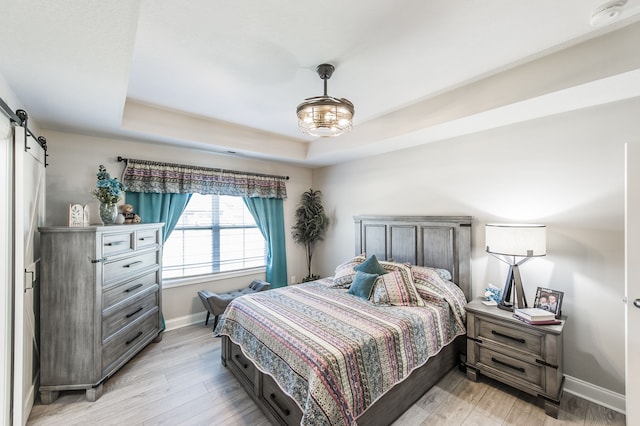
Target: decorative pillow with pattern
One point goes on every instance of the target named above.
(396, 288)
(431, 286)
(443, 273)
(428, 282)
(345, 273)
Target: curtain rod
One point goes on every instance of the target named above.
(210, 168)
(21, 117)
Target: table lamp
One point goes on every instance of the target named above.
(515, 244)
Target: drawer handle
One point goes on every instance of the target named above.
(115, 243)
(131, 265)
(130, 289)
(243, 364)
(134, 337)
(517, 339)
(497, 361)
(285, 410)
(134, 312)
(143, 238)
(546, 364)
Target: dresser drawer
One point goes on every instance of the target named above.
(146, 238)
(124, 268)
(523, 339)
(128, 289)
(117, 243)
(241, 363)
(128, 340)
(284, 407)
(528, 374)
(125, 315)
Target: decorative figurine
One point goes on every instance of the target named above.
(129, 216)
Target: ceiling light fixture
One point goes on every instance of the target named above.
(325, 116)
(607, 13)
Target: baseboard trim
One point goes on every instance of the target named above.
(186, 320)
(596, 394)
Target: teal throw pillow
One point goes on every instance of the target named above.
(362, 284)
(371, 266)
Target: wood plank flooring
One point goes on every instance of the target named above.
(180, 381)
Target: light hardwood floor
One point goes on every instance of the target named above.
(180, 381)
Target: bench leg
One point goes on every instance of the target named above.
(207, 320)
(215, 322)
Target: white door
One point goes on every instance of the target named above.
(29, 211)
(632, 283)
(6, 267)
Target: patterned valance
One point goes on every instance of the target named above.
(152, 176)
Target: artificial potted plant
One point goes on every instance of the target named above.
(311, 226)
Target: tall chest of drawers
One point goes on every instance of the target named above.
(527, 357)
(100, 301)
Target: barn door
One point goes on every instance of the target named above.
(29, 213)
(632, 285)
(6, 268)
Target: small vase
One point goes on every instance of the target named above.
(108, 213)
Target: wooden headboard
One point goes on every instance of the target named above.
(436, 241)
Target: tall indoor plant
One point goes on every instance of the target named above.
(311, 226)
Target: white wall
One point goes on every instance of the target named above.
(565, 171)
(71, 175)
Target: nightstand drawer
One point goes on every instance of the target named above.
(528, 341)
(491, 360)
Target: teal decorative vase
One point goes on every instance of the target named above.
(108, 213)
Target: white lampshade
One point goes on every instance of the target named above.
(524, 240)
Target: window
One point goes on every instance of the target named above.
(216, 233)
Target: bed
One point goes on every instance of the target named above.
(275, 343)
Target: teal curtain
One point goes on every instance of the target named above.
(269, 216)
(155, 208)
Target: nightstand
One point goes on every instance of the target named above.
(527, 357)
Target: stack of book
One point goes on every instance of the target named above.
(536, 316)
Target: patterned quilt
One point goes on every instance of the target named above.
(332, 352)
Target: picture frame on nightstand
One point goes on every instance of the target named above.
(549, 300)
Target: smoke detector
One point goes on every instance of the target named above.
(607, 13)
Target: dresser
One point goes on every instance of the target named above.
(527, 357)
(100, 300)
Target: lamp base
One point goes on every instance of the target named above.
(507, 306)
(514, 283)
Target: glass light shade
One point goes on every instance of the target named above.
(325, 116)
(524, 240)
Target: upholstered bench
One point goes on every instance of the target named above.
(216, 303)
